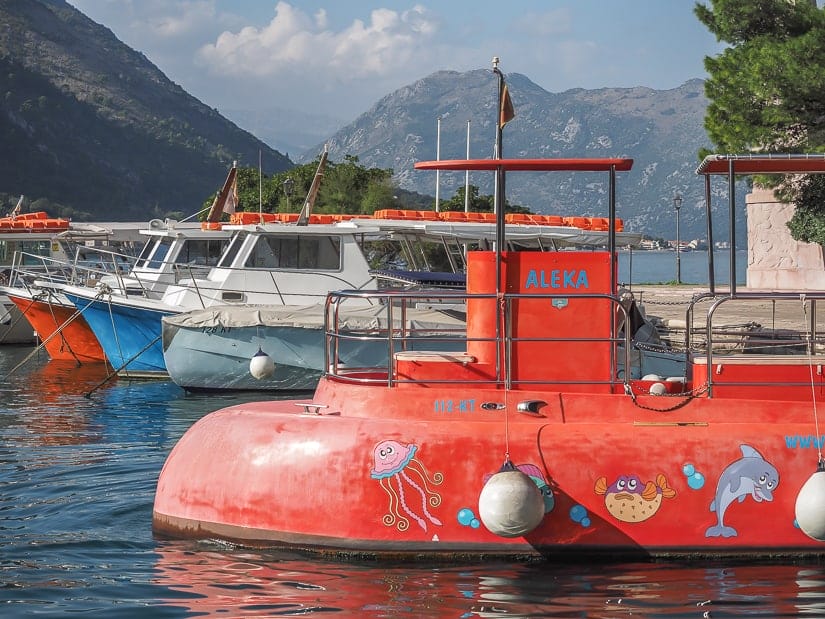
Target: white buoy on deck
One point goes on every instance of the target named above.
(510, 503)
(261, 365)
(658, 389)
(810, 505)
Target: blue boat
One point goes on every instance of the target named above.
(129, 335)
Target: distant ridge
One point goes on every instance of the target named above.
(89, 123)
(662, 130)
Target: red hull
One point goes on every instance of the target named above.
(266, 473)
(75, 340)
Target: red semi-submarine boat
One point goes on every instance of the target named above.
(535, 441)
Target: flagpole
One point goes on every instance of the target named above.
(498, 200)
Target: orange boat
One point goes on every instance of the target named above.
(62, 330)
(538, 440)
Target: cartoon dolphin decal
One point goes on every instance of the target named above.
(752, 476)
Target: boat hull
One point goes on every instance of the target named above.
(14, 329)
(129, 336)
(212, 354)
(66, 336)
(275, 473)
(205, 360)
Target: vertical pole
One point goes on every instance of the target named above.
(711, 270)
(611, 242)
(678, 250)
(438, 158)
(467, 175)
(498, 201)
(732, 223)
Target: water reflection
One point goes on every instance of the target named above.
(48, 404)
(214, 580)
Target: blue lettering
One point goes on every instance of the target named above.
(556, 278)
(804, 442)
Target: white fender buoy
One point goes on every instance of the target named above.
(510, 503)
(261, 365)
(658, 389)
(810, 505)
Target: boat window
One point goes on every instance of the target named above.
(232, 250)
(35, 248)
(201, 251)
(161, 250)
(145, 253)
(296, 252)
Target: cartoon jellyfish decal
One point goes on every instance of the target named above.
(405, 479)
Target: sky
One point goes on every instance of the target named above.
(339, 57)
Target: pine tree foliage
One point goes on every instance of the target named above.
(767, 92)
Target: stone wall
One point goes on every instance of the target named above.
(775, 260)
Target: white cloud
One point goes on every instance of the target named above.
(294, 41)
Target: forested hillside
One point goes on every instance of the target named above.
(93, 130)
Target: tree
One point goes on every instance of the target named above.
(345, 188)
(767, 92)
(480, 204)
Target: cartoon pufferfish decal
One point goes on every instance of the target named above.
(629, 500)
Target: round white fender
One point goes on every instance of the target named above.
(658, 389)
(810, 506)
(261, 365)
(510, 504)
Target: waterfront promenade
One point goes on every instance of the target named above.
(785, 319)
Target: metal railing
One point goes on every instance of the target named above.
(403, 336)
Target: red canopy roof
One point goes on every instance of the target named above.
(529, 165)
(763, 164)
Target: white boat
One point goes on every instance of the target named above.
(213, 348)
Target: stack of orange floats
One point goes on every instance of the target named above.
(31, 222)
(582, 223)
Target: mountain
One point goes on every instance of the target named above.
(662, 130)
(289, 131)
(91, 124)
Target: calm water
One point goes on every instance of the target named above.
(656, 267)
(77, 479)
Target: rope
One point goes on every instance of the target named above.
(50, 298)
(810, 346)
(504, 338)
(88, 395)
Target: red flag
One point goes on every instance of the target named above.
(231, 198)
(506, 110)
